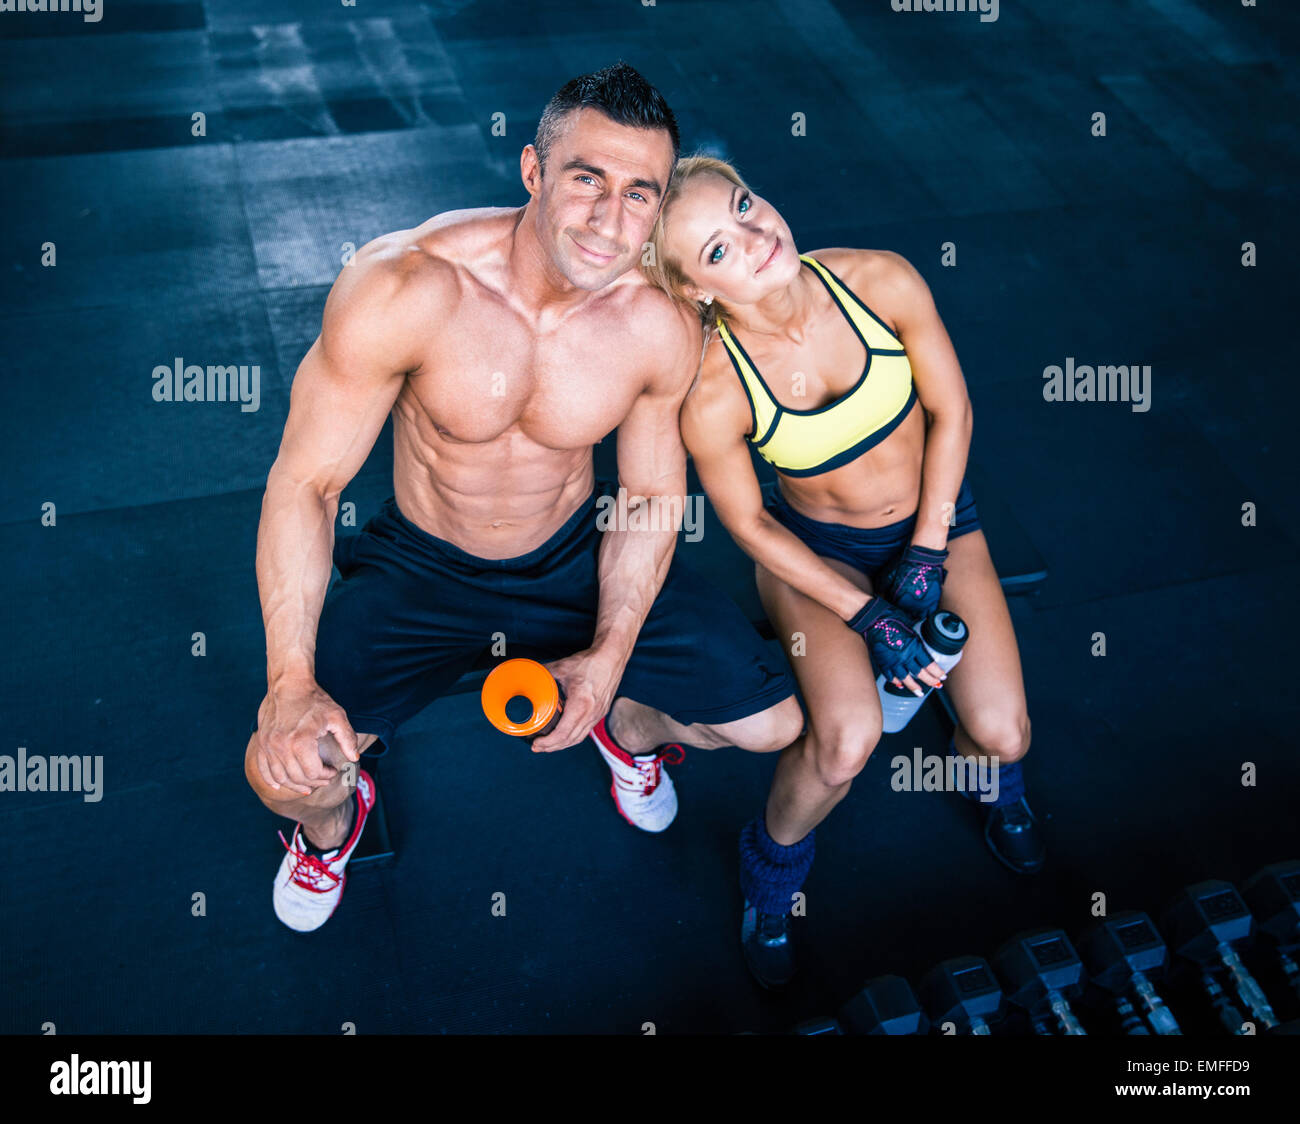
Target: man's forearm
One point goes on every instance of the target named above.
(947, 445)
(295, 542)
(635, 553)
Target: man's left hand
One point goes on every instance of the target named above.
(589, 679)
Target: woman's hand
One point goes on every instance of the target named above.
(896, 650)
(915, 580)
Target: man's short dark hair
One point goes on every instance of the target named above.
(620, 93)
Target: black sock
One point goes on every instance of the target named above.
(319, 852)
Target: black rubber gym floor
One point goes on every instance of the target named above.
(324, 127)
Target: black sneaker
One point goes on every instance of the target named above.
(1014, 837)
(768, 947)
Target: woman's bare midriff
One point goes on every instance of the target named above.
(880, 487)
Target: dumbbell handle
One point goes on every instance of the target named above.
(1064, 1016)
(1229, 1016)
(1289, 970)
(1130, 1021)
(1245, 986)
(1158, 1015)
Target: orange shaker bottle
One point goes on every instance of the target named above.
(529, 679)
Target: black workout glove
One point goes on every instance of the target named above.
(915, 580)
(896, 650)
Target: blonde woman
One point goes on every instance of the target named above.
(836, 368)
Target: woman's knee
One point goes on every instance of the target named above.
(1001, 734)
(840, 753)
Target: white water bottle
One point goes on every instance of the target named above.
(944, 634)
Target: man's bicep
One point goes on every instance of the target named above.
(373, 332)
(334, 421)
(651, 456)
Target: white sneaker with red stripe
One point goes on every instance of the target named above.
(308, 888)
(642, 789)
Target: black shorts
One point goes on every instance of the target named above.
(869, 549)
(410, 613)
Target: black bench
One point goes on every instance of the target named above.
(1019, 565)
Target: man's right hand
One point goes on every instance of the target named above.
(292, 719)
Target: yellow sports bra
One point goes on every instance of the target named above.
(808, 442)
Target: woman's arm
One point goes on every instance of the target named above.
(713, 430)
(906, 299)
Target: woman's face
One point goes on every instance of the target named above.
(731, 243)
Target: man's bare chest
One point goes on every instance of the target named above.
(565, 387)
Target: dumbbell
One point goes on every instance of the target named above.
(885, 1005)
(1120, 954)
(1206, 924)
(821, 1025)
(962, 993)
(1273, 896)
(1230, 1015)
(1041, 972)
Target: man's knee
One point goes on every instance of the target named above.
(841, 752)
(1001, 734)
(770, 729)
(269, 795)
(330, 753)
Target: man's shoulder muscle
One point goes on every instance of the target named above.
(431, 251)
(669, 334)
(387, 297)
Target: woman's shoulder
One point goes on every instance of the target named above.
(716, 402)
(885, 281)
(864, 266)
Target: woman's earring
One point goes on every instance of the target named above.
(708, 300)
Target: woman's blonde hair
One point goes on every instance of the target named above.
(661, 270)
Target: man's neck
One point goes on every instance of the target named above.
(534, 281)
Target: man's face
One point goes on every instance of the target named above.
(598, 199)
